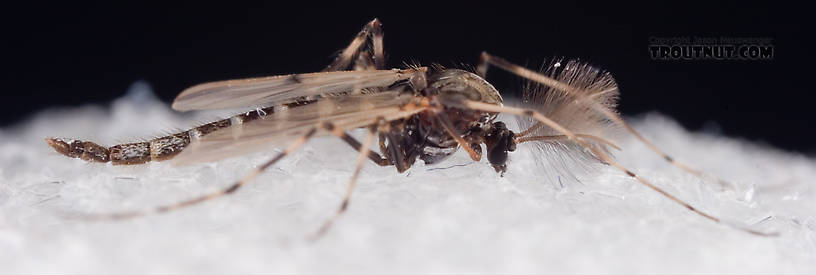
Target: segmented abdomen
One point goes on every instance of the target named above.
(158, 149)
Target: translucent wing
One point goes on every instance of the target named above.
(559, 155)
(281, 127)
(274, 90)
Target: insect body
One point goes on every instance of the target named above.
(422, 135)
(416, 113)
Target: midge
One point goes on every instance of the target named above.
(424, 113)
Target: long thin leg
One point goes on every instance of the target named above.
(234, 187)
(481, 68)
(364, 62)
(381, 141)
(223, 192)
(373, 156)
(377, 44)
(361, 156)
(394, 151)
(372, 29)
(446, 123)
(486, 59)
(604, 157)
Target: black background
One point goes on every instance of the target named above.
(74, 54)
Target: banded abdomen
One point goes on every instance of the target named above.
(157, 149)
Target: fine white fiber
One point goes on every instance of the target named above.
(457, 217)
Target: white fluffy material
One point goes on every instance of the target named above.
(464, 219)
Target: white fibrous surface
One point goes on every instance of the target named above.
(457, 217)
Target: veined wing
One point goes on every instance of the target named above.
(280, 127)
(281, 89)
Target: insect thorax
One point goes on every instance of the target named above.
(454, 82)
(433, 143)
